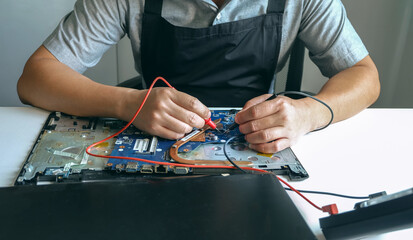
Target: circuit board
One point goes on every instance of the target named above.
(59, 153)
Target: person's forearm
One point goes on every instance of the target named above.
(347, 93)
(51, 85)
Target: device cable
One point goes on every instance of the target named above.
(329, 193)
(314, 98)
(227, 156)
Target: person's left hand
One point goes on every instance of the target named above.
(271, 126)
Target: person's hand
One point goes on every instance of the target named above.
(271, 126)
(170, 114)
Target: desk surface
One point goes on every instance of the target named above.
(368, 153)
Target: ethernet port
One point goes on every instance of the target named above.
(161, 169)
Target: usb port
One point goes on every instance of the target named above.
(146, 169)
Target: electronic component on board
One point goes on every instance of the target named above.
(141, 145)
(119, 167)
(161, 169)
(146, 168)
(181, 170)
(132, 167)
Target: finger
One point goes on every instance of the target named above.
(161, 128)
(274, 120)
(190, 118)
(166, 133)
(256, 101)
(272, 147)
(191, 104)
(258, 111)
(175, 125)
(265, 136)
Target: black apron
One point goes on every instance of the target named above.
(224, 65)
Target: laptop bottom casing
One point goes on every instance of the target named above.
(247, 206)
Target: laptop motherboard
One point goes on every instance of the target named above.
(59, 152)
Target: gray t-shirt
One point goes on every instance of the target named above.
(83, 36)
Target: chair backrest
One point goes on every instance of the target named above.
(295, 67)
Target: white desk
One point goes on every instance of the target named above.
(368, 153)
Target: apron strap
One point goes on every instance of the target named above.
(153, 6)
(274, 6)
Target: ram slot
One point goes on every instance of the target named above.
(153, 145)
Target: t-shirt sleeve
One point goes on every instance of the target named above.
(333, 43)
(85, 34)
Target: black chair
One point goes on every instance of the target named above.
(135, 83)
(295, 67)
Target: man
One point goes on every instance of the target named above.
(214, 52)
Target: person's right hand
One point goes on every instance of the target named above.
(169, 113)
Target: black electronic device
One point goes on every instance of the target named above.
(243, 206)
(378, 215)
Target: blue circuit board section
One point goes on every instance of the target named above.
(137, 144)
